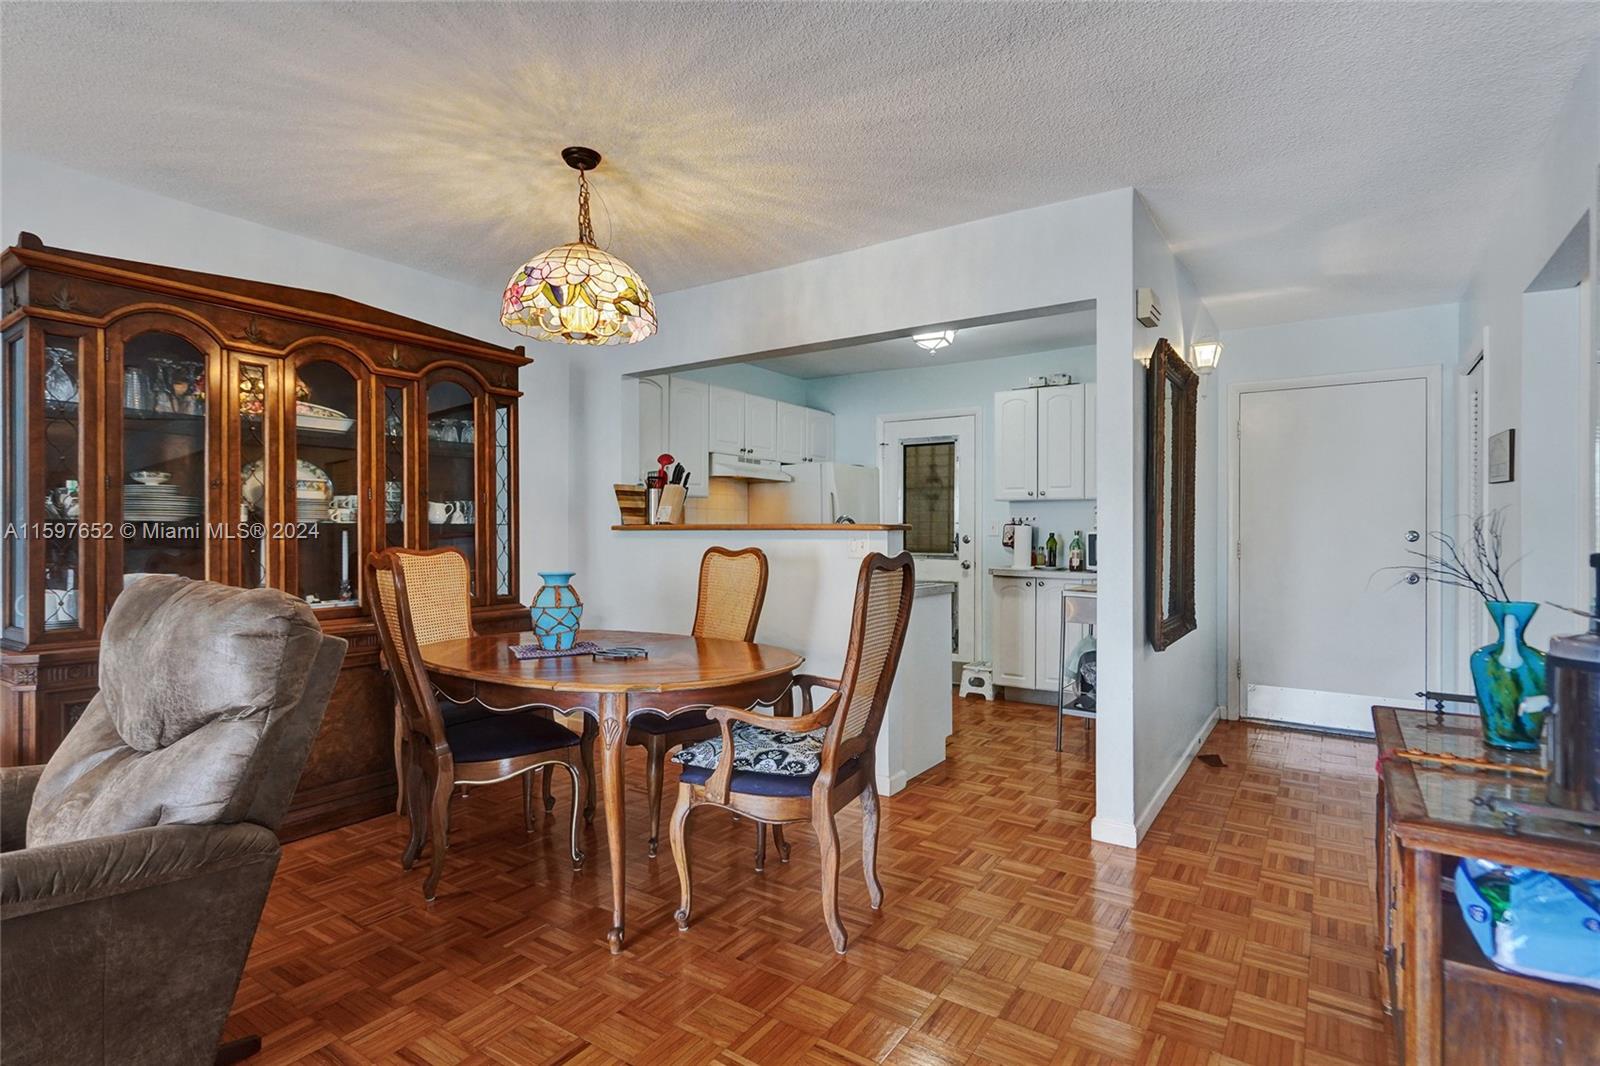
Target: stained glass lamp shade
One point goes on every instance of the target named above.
(578, 293)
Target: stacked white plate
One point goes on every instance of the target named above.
(310, 509)
(159, 503)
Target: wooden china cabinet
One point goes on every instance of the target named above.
(166, 421)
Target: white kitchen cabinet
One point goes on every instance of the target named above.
(1014, 632)
(791, 433)
(1089, 489)
(1016, 444)
(1043, 443)
(726, 421)
(652, 422)
(819, 436)
(760, 427)
(689, 430)
(1061, 414)
(1047, 632)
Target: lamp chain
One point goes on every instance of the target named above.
(585, 228)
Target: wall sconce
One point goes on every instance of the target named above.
(1205, 355)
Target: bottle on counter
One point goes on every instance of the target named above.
(1075, 551)
(1050, 549)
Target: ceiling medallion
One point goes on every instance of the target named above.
(578, 293)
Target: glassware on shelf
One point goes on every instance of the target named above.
(135, 389)
(60, 386)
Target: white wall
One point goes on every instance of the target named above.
(1174, 691)
(71, 209)
(1553, 436)
(1558, 192)
(1391, 340)
(1061, 253)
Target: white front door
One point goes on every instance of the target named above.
(929, 478)
(1333, 491)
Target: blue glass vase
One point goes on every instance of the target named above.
(556, 611)
(1508, 678)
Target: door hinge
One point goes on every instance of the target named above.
(1238, 550)
(1238, 433)
(1238, 670)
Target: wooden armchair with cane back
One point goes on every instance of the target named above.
(447, 615)
(733, 586)
(440, 751)
(806, 769)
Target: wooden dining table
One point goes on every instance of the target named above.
(677, 674)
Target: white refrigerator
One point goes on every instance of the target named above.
(819, 493)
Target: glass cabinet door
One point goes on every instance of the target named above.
(453, 471)
(503, 495)
(326, 493)
(66, 403)
(160, 471)
(396, 425)
(255, 475)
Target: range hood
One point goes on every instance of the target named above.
(725, 465)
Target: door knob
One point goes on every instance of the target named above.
(1413, 577)
(965, 539)
(966, 565)
(1412, 536)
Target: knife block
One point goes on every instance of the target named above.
(669, 512)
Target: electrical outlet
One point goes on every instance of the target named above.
(858, 549)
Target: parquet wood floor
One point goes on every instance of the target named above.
(1243, 930)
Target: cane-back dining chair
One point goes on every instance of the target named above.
(447, 615)
(438, 752)
(733, 586)
(808, 768)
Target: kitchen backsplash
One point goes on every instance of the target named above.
(728, 504)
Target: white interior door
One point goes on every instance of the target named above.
(1333, 487)
(929, 477)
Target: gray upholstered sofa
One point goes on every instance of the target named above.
(134, 865)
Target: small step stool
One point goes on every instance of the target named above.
(977, 679)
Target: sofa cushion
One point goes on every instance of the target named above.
(193, 676)
(762, 751)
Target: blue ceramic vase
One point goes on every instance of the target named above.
(556, 611)
(1508, 678)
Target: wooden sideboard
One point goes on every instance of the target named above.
(167, 421)
(1450, 1003)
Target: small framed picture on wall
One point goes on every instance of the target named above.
(1503, 457)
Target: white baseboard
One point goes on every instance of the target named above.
(1112, 831)
(1159, 800)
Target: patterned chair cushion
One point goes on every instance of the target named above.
(761, 751)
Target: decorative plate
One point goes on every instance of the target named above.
(312, 483)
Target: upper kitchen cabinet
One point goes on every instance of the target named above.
(791, 433)
(1016, 444)
(760, 427)
(1044, 443)
(819, 436)
(726, 422)
(689, 430)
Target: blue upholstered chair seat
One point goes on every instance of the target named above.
(506, 736)
(766, 762)
(660, 724)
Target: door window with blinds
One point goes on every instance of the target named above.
(929, 495)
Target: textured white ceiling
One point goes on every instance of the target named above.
(996, 340)
(1304, 159)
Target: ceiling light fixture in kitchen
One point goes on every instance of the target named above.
(578, 293)
(932, 342)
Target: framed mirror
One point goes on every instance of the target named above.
(1171, 409)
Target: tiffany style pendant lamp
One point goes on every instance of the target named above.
(578, 293)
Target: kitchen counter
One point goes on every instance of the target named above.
(1087, 578)
(812, 527)
(934, 588)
